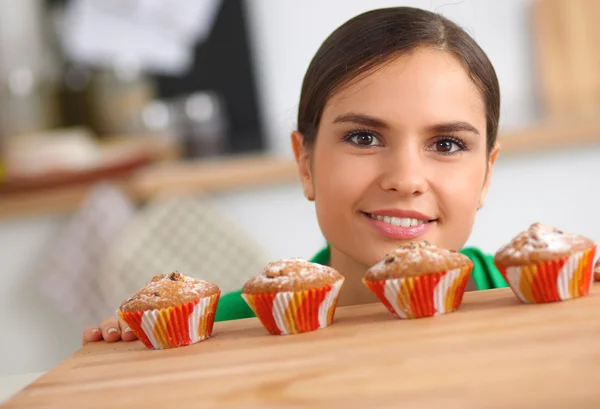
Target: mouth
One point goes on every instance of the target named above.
(400, 218)
(399, 221)
(400, 224)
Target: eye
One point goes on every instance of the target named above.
(363, 139)
(448, 145)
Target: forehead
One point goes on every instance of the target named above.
(425, 85)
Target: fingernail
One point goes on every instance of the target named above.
(127, 330)
(111, 330)
(94, 330)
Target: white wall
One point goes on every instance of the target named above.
(557, 188)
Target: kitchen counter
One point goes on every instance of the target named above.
(494, 352)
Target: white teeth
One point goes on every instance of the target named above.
(399, 221)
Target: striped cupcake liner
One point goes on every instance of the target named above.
(557, 280)
(176, 326)
(293, 312)
(426, 295)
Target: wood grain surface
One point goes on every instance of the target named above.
(492, 353)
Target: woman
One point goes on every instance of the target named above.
(396, 141)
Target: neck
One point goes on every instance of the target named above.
(353, 291)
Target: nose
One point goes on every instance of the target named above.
(403, 171)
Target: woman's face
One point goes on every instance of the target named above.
(399, 155)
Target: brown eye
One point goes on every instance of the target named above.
(444, 146)
(448, 146)
(363, 139)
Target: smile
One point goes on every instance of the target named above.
(398, 221)
(400, 225)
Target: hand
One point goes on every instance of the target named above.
(110, 330)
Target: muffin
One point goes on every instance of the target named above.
(545, 264)
(172, 310)
(597, 270)
(292, 296)
(420, 280)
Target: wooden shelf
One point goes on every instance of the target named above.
(550, 136)
(262, 170)
(44, 202)
(160, 178)
(212, 175)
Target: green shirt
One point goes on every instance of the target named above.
(485, 275)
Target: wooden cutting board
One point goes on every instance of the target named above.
(566, 37)
(493, 353)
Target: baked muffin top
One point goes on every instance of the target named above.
(416, 258)
(291, 274)
(167, 290)
(540, 243)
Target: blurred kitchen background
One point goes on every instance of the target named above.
(143, 136)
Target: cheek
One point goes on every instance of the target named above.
(458, 195)
(338, 178)
(340, 181)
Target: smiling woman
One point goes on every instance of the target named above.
(396, 141)
(403, 154)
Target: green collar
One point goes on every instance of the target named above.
(322, 257)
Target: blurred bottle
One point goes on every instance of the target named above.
(203, 124)
(198, 122)
(75, 105)
(117, 97)
(28, 69)
(28, 103)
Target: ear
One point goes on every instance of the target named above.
(488, 176)
(302, 155)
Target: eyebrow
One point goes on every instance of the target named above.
(361, 119)
(370, 121)
(449, 127)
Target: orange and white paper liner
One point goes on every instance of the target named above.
(427, 295)
(557, 280)
(293, 312)
(173, 327)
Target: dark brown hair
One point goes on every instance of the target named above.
(371, 39)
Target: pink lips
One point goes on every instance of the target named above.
(398, 232)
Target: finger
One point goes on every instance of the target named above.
(127, 334)
(111, 332)
(91, 334)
